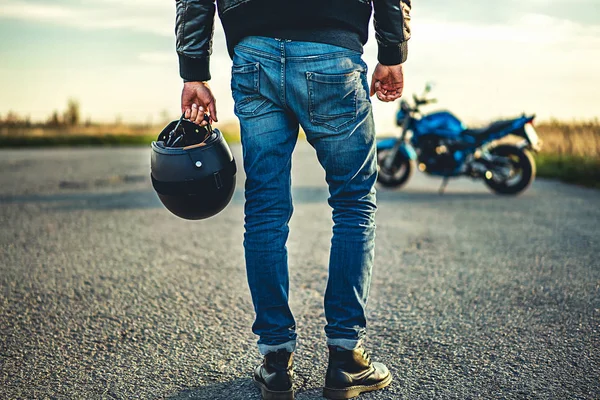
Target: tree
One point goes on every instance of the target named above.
(54, 119)
(72, 115)
(12, 119)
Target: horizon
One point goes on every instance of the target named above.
(119, 61)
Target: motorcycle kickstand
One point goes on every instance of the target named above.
(443, 187)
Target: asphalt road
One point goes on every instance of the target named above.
(104, 294)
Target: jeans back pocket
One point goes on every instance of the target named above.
(245, 88)
(332, 98)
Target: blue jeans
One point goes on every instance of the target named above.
(278, 85)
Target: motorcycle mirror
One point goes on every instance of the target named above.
(429, 86)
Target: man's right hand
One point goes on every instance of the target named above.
(387, 82)
(196, 100)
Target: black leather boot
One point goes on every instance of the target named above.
(274, 376)
(351, 372)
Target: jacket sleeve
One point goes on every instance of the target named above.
(194, 29)
(392, 30)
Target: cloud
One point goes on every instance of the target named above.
(488, 57)
(150, 17)
(507, 11)
(530, 28)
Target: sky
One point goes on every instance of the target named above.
(486, 58)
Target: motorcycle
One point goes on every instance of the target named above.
(440, 144)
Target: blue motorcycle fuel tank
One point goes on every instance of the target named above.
(442, 123)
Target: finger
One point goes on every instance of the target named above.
(391, 98)
(391, 92)
(185, 103)
(200, 116)
(397, 92)
(194, 113)
(389, 87)
(381, 97)
(212, 109)
(386, 98)
(188, 113)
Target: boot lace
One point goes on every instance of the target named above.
(367, 356)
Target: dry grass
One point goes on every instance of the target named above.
(65, 131)
(92, 135)
(570, 152)
(578, 139)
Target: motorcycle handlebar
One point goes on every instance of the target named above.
(422, 102)
(404, 105)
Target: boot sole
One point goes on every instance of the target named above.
(354, 391)
(273, 394)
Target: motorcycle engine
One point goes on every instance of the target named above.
(439, 154)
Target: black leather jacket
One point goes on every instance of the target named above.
(195, 25)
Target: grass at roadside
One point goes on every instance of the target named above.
(74, 140)
(570, 152)
(571, 169)
(577, 138)
(88, 140)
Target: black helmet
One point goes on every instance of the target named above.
(192, 170)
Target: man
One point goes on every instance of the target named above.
(298, 62)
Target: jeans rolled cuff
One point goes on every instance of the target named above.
(267, 348)
(348, 344)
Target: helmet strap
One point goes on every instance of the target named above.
(172, 140)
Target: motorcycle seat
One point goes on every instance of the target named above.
(494, 127)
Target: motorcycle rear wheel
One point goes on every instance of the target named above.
(522, 171)
(401, 171)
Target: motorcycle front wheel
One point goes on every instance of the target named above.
(514, 170)
(400, 172)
